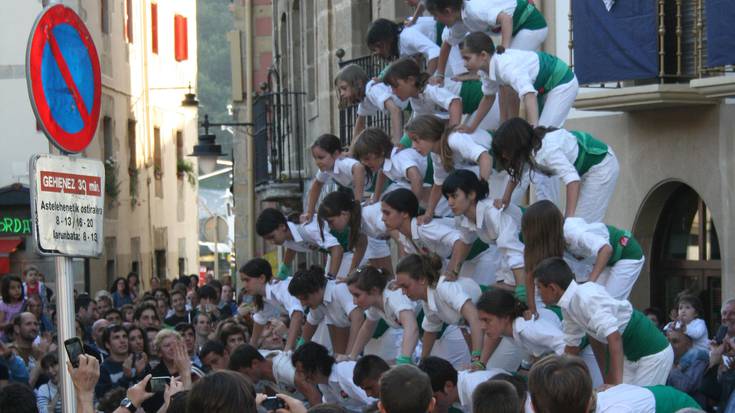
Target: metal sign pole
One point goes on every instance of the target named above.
(66, 325)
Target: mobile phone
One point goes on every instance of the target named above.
(74, 348)
(720, 335)
(157, 384)
(273, 403)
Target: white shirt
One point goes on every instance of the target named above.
(277, 300)
(420, 38)
(589, 309)
(341, 390)
(396, 167)
(466, 150)
(341, 173)
(394, 301)
(435, 100)
(495, 226)
(541, 335)
(336, 306)
(480, 16)
(467, 381)
(696, 330)
(376, 94)
(372, 222)
(584, 240)
(307, 237)
(437, 236)
(444, 303)
(283, 370)
(626, 398)
(558, 152)
(515, 68)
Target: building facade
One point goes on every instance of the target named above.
(147, 56)
(672, 131)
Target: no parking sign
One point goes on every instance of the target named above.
(63, 75)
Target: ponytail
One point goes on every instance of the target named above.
(334, 204)
(433, 129)
(501, 303)
(368, 277)
(386, 31)
(404, 68)
(418, 267)
(517, 141)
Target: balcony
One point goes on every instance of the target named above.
(649, 55)
(279, 146)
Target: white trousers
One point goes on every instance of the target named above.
(507, 356)
(491, 121)
(387, 347)
(650, 370)
(377, 248)
(588, 356)
(453, 348)
(527, 39)
(557, 104)
(597, 188)
(620, 278)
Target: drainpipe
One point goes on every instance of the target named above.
(249, 139)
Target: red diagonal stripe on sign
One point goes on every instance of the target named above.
(66, 74)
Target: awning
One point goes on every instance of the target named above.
(7, 247)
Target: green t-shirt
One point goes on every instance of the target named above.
(670, 400)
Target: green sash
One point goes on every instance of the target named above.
(526, 16)
(591, 152)
(438, 37)
(380, 329)
(624, 246)
(471, 94)
(552, 72)
(641, 338)
(343, 237)
(373, 181)
(670, 400)
(476, 249)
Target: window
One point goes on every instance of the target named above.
(157, 165)
(128, 29)
(181, 46)
(310, 50)
(154, 28)
(105, 16)
(107, 151)
(160, 256)
(132, 146)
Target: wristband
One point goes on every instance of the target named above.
(478, 363)
(331, 276)
(284, 271)
(403, 360)
(437, 74)
(476, 354)
(521, 294)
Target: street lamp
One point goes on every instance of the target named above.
(207, 150)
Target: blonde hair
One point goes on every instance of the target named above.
(356, 77)
(164, 334)
(433, 129)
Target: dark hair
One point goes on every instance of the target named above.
(207, 291)
(433, 6)
(440, 371)
(49, 359)
(143, 334)
(254, 269)
(109, 331)
(516, 140)
(692, 300)
(478, 42)
(243, 356)
(328, 142)
(333, 204)
(142, 307)
(495, 396)
(82, 300)
(212, 346)
(519, 383)
(183, 326)
(421, 267)
(560, 384)
(113, 287)
(221, 392)
(110, 401)
(368, 277)
(554, 270)
(269, 220)
(403, 200)
(133, 274)
(384, 30)
(112, 311)
(542, 228)
(327, 408)
(501, 303)
(372, 141)
(467, 182)
(404, 68)
(5, 287)
(368, 367)
(166, 293)
(657, 312)
(405, 389)
(314, 358)
(177, 404)
(230, 330)
(17, 398)
(308, 281)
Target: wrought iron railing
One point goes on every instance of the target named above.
(279, 131)
(372, 65)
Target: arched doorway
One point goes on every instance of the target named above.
(685, 253)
